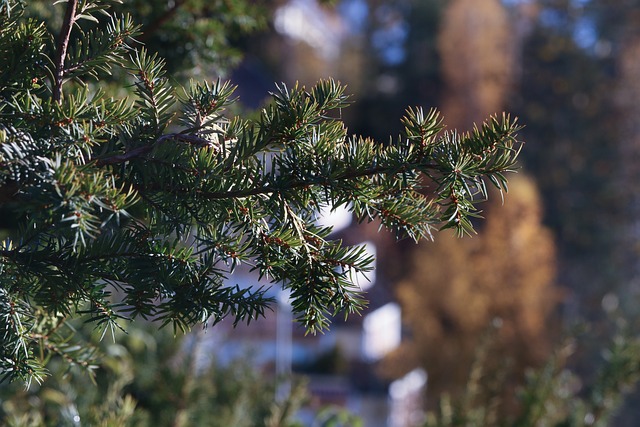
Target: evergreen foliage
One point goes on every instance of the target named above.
(148, 378)
(192, 36)
(143, 208)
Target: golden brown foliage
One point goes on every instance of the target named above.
(476, 49)
(458, 287)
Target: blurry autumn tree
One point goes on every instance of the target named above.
(458, 287)
(476, 51)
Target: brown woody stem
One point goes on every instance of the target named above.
(63, 45)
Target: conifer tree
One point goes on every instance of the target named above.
(143, 207)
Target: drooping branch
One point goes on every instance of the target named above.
(290, 185)
(139, 152)
(63, 44)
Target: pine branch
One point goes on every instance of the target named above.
(107, 198)
(281, 189)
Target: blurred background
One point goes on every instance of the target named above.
(555, 260)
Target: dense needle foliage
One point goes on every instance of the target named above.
(142, 207)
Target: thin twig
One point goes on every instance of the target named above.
(63, 44)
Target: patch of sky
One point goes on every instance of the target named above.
(552, 18)
(515, 2)
(389, 42)
(355, 13)
(584, 33)
(583, 28)
(579, 3)
(305, 20)
(390, 38)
